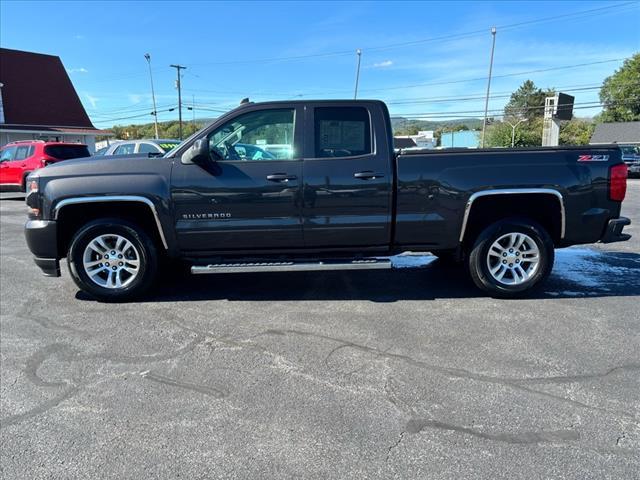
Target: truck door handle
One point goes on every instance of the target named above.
(281, 177)
(368, 175)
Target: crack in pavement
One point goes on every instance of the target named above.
(523, 438)
(516, 383)
(154, 377)
(395, 445)
(41, 408)
(65, 352)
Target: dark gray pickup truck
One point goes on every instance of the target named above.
(315, 185)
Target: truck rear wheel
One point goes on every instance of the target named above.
(112, 260)
(511, 257)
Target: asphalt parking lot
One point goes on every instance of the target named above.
(404, 374)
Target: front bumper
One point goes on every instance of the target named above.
(613, 232)
(50, 266)
(42, 240)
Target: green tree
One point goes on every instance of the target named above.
(527, 101)
(576, 132)
(620, 93)
(406, 130)
(527, 134)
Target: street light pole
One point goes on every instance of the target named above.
(486, 102)
(178, 85)
(359, 54)
(513, 130)
(153, 95)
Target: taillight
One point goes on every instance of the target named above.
(618, 182)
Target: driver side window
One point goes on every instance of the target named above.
(255, 136)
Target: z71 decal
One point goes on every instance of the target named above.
(593, 158)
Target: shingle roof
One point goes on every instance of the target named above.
(617, 132)
(37, 91)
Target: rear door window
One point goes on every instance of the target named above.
(125, 149)
(66, 152)
(148, 148)
(22, 152)
(342, 132)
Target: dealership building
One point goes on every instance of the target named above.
(39, 102)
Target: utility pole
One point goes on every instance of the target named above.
(486, 102)
(178, 86)
(359, 54)
(153, 95)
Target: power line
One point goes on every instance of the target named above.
(443, 38)
(505, 75)
(495, 112)
(447, 82)
(479, 96)
(108, 113)
(133, 116)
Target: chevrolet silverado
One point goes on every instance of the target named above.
(324, 191)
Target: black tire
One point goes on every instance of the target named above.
(478, 263)
(447, 257)
(146, 250)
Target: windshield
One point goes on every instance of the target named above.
(66, 152)
(167, 146)
(630, 150)
(186, 140)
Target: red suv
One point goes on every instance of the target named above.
(19, 159)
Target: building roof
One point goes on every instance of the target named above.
(616, 132)
(36, 91)
(404, 142)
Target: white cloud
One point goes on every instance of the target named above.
(134, 98)
(79, 37)
(92, 100)
(77, 70)
(384, 64)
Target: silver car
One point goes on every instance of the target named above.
(150, 146)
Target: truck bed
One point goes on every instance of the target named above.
(435, 187)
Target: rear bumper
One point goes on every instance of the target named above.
(42, 240)
(613, 232)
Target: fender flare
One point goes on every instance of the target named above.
(113, 198)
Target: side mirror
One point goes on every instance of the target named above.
(199, 154)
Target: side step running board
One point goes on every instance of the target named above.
(365, 264)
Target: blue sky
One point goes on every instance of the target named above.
(427, 59)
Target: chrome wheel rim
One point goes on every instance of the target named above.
(111, 261)
(513, 259)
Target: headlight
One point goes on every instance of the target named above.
(32, 186)
(33, 198)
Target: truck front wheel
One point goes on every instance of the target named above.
(511, 257)
(112, 260)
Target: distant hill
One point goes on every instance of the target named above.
(401, 126)
(406, 126)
